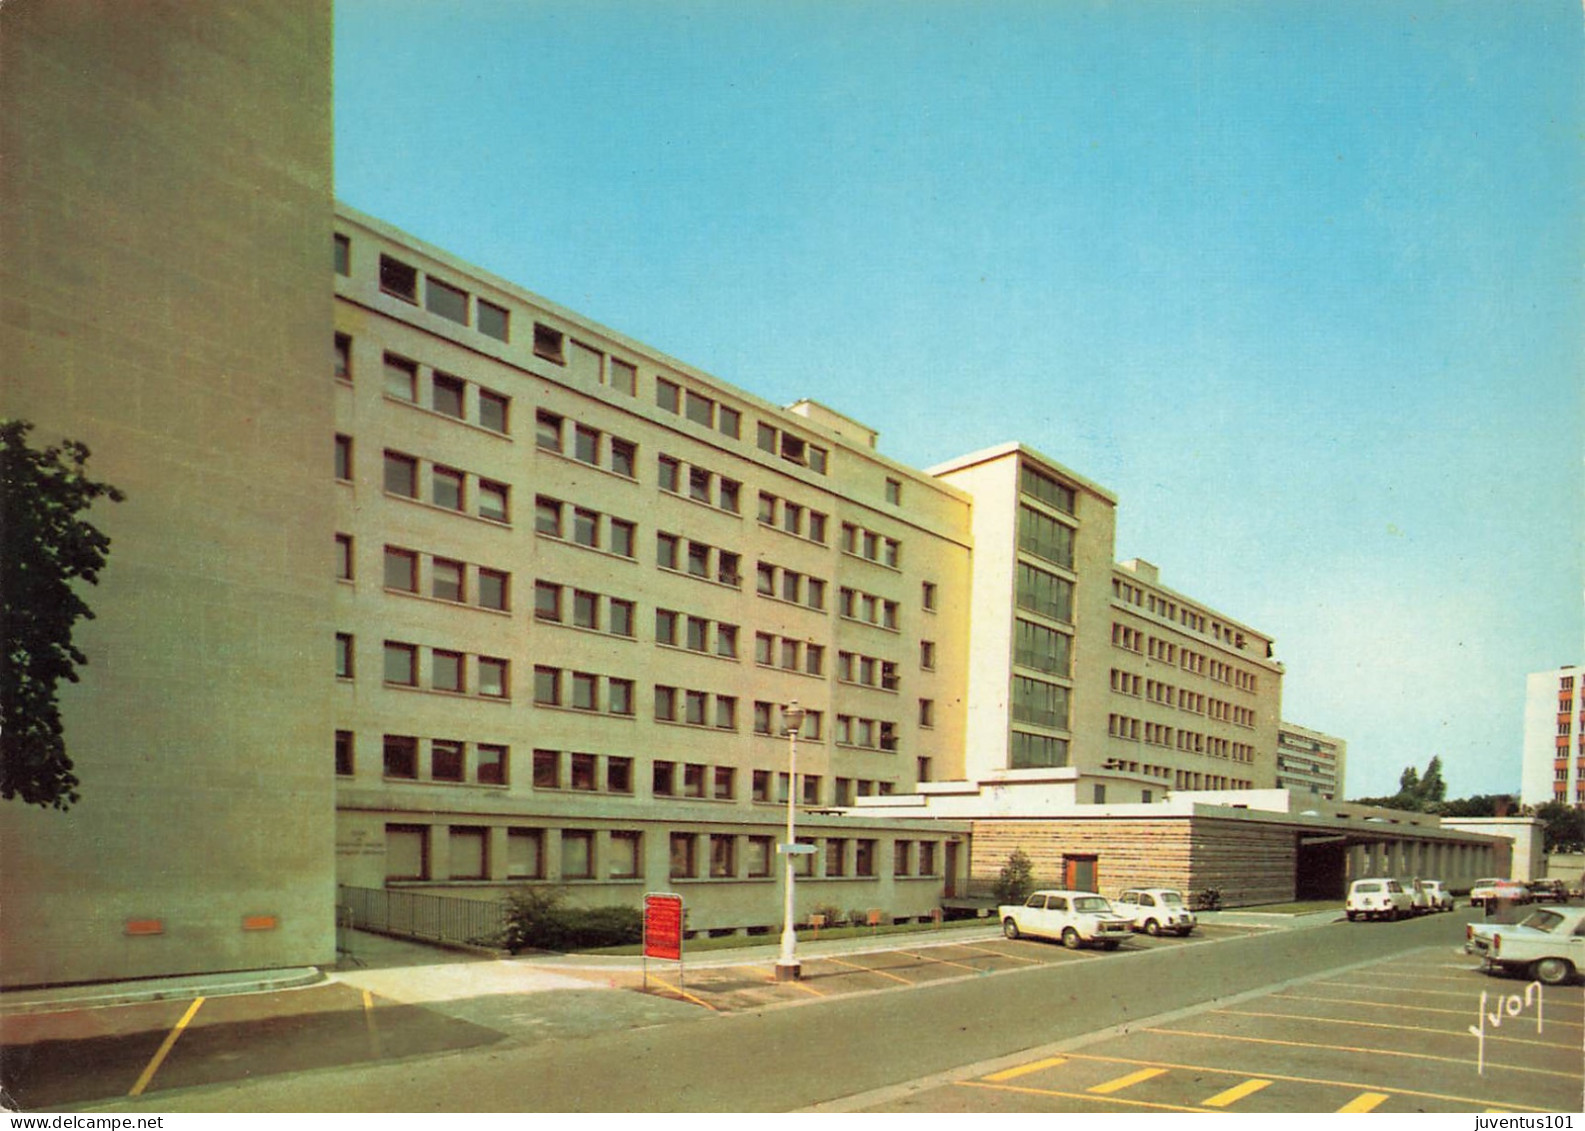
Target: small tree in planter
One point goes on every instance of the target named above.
(1016, 879)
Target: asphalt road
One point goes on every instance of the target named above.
(785, 1058)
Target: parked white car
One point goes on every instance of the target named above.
(1548, 944)
(1441, 899)
(1076, 918)
(1155, 910)
(1419, 898)
(1378, 899)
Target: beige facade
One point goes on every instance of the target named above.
(167, 194)
(1311, 763)
(1553, 766)
(578, 581)
(1089, 673)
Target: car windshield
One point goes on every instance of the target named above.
(1172, 899)
(1367, 887)
(1093, 903)
(1542, 921)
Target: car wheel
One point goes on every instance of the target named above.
(1070, 939)
(1351, 916)
(1009, 928)
(1552, 971)
(1152, 927)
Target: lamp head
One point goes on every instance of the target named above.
(792, 717)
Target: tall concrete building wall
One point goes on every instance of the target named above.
(1310, 763)
(1554, 737)
(165, 219)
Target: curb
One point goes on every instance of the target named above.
(96, 996)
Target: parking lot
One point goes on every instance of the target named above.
(890, 965)
(1392, 1036)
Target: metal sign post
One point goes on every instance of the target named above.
(663, 931)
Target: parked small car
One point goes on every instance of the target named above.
(1548, 944)
(1441, 899)
(1483, 892)
(1419, 899)
(1156, 910)
(1548, 891)
(1077, 918)
(1378, 899)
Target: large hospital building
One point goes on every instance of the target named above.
(425, 582)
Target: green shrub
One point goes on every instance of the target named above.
(538, 919)
(1016, 879)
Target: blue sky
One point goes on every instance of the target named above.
(1300, 282)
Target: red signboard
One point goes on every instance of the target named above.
(663, 926)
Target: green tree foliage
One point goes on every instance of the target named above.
(44, 548)
(1417, 792)
(1016, 879)
(1565, 826)
(539, 919)
(1480, 805)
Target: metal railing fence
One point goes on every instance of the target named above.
(421, 915)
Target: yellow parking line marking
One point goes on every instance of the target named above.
(1000, 953)
(1024, 1069)
(1384, 1025)
(1396, 1006)
(1356, 1048)
(165, 1049)
(806, 988)
(1128, 1081)
(1417, 993)
(1234, 1094)
(1073, 1096)
(941, 961)
(869, 970)
(1365, 1101)
(1295, 1079)
(682, 993)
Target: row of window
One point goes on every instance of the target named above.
(1039, 703)
(792, 448)
(582, 691)
(871, 546)
(697, 559)
(448, 487)
(1191, 702)
(585, 444)
(1058, 496)
(1185, 779)
(698, 408)
(1044, 649)
(871, 671)
(560, 854)
(444, 393)
(1028, 751)
(1044, 594)
(1045, 537)
(584, 527)
(456, 673)
(784, 584)
(443, 579)
(703, 485)
(789, 654)
(449, 759)
(792, 518)
(1156, 648)
(401, 280)
(867, 607)
(581, 608)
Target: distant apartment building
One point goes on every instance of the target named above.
(1309, 762)
(1554, 738)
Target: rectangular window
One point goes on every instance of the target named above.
(343, 655)
(694, 703)
(894, 491)
(723, 856)
(577, 854)
(493, 499)
(698, 409)
(547, 431)
(343, 254)
(343, 357)
(406, 852)
(585, 609)
(585, 772)
(547, 686)
(344, 458)
(446, 488)
(757, 858)
(398, 278)
(624, 538)
(684, 865)
(493, 678)
(624, 458)
(547, 769)
(401, 756)
(619, 614)
(445, 760)
(547, 601)
(864, 857)
(663, 779)
(626, 861)
(668, 395)
(585, 691)
(726, 640)
(586, 445)
(344, 557)
(619, 696)
(726, 712)
(468, 853)
(446, 395)
(494, 592)
(699, 484)
(761, 785)
(666, 551)
(547, 516)
(445, 670)
(491, 764)
(446, 580)
(401, 475)
(727, 494)
(728, 421)
(401, 378)
(836, 856)
(446, 300)
(725, 783)
(586, 528)
(585, 363)
(698, 631)
(624, 376)
(665, 626)
(344, 752)
(619, 775)
(698, 559)
(493, 411)
(549, 343)
(525, 854)
(666, 703)
(401, 664)
(494, 321)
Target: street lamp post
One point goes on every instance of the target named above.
(787, 966)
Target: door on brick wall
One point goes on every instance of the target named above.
(1078, 873)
